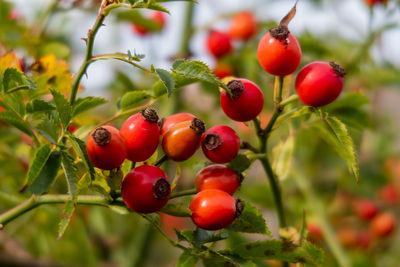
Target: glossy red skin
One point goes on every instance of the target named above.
(157, 16)
(365, 209)
(137, 189)
(229, 147)
(389, 194)
(383, 225)
(213, 209)
(318, 85)
(170, 121)
(218, 43)
(277, 57)
(222, 71)
(243, 26)
(245, 107)
(109, 156)
(142, 137)
(217, 177)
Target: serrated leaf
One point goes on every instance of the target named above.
(158, 7)
(294, 113)
(46, 177)
(250, 221)
(282, 157)
(37, 163)
(177, 62)
(185, 235)
(281, 250)
(64, 109)
(203, 236)
(167, 79)
(48, 129)
(240, 163)
(187, 260)
(176, 208)
(14, 80)
(38, 105)
(133, 99)
(69, 210)
(84, 104)
(80, 148)
(69, 168)
(14, 120)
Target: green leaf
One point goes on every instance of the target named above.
(47, 175)
(335, 133)
(64, 109)
(133, 99)
(37, 163)
(281, 250)
(202, 236)
(80, 148)
(282, 155)
(250, 221)
(14, 119)
(294, 113)
(66, 218)
(100, 185)
(71, 176)
(176, 208)
(119, 209)
(215, 258)
(167, 79)
(187, 260)
(38, 105)
(14, 80)
(49, 129)
(240, 163)
(84, 104)
(155, 6)
(177, 62)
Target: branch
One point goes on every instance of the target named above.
(120, 57)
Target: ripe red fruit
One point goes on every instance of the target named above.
(182, 140)
(389, 194)
(315, 232)
(383, 225)
(279, 52)
(246, 102)
(348, 237)
(213, 209)
(223, 70)
(106, 148)
(220, 144)
(371, 3)
(243, 26)
(319, 83)
(364, 240)
(218, 43)
(142, 134)
(168, 122)
(146, 189)
(365, 209)
(218, 177)
(157, 17)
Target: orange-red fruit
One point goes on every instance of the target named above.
(389, 194)
(106, 148)
(243, 26)
(218, 43)
(146, 189)
(182, 140)
(383, 225)
(220, 144)
(315, 231)
(279, 52)
(168, 122)
(365, 209)
(218, 177)
(319, 83)
(213, 209)
(157, 17)
(246, 100)
(142, 135)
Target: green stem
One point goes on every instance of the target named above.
(119, 57)
(161, 160)
(88, 56)
(183, 193)
(184, 50)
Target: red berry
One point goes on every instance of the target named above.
(348, 237)
(246, 102)
(223, 70)
(279, 52)
(213, 209)
(182, 140)
(365, 209)
(218, 177)
(319, 83)
(21, 64)
(389, 194)
(218, 43)
(157, 17)
(364, 240)
(146, 189)
(243, 26)
(106, 148)
(371, 3)
(383, 225)
(220, 144)
(142, 134)
(315, 232)
(168, 122)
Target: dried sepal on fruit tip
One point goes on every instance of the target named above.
(101, 136)
(289, 16)
(212, 141)
(150, 115)
(161, 189)
(235, 87)
(282, 31)
(239, 207)
(340, 72)
(198, 125)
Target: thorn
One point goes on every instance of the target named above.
(86, 75)
(84, 39)
(103, 24)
